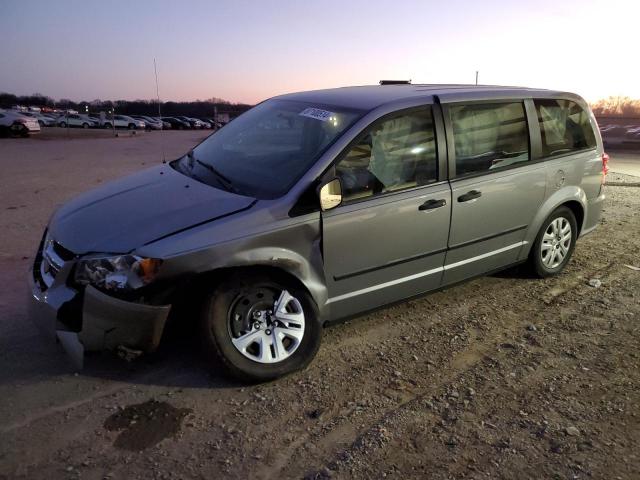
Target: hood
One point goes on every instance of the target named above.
(128, 213)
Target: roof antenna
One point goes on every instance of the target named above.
(476, 77)
(155, 69)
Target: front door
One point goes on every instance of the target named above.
(388, 239)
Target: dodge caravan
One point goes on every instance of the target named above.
(318, 206)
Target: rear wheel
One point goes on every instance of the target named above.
(260, 327)
(555, 243)
(85, 125)
(63, 124)
(132, 126)
(107, 125)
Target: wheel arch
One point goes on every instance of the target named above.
(298, 273)
(573, 197)
(219, 275)
(578, 211)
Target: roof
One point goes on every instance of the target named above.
(368, 97)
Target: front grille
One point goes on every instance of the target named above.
(50, 259)
(37, 264)
(62, 252)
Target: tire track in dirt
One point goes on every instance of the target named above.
(459, 364)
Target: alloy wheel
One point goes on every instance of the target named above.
(556, 242)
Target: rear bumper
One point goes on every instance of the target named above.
(106, 322)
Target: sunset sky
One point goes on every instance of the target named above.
(246, 51)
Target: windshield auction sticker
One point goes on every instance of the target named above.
(317, 113)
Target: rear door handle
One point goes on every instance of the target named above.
(473, 194)
(431, 204)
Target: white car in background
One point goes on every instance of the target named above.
(43, 120)
(123, 121)
(149, 122)
(76, 120)
(15, 123)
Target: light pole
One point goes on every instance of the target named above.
(113, 120)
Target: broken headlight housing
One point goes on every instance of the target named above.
(117, 273)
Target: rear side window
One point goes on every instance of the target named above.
(564, 126)
(488, 136)
(394, 154)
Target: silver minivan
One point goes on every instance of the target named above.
(318, 206)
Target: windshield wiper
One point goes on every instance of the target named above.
(226, 183)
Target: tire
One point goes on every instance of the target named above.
(85, 125)
(63, 124)
(551, 250)
(229, 314)
(131, 126)
(107, 125)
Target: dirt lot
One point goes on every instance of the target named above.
(502, 377)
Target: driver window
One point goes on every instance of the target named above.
(394, 154)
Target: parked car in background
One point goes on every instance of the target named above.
(193, 122)
(215, 124)
(16, 123)
(43, 120)
(123, 121)
(176, 123)
(95, 118)
(205, 123)
(149, 122)
(76, 120)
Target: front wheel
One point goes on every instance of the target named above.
(85, 125)
(132, 126)
(63, 124)
(555, 243)
(260, 327)
(107, 125)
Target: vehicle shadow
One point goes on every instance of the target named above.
(519, 272)
(178, 363)
(30, 358)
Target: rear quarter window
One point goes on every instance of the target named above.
(564, 126)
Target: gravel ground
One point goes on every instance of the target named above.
(502, 377)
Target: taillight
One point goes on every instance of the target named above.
(605, 166)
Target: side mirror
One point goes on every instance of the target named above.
(331, 194)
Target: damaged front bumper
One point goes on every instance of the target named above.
(99, 321)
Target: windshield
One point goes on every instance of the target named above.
(266, 150)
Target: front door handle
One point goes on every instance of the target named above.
(473, 194)
(431, 204)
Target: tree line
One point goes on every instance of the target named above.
(623, 107)
(197, 108)
(611, 107)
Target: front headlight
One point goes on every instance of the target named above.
(121, 272)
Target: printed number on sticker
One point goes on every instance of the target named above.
(317, 113)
